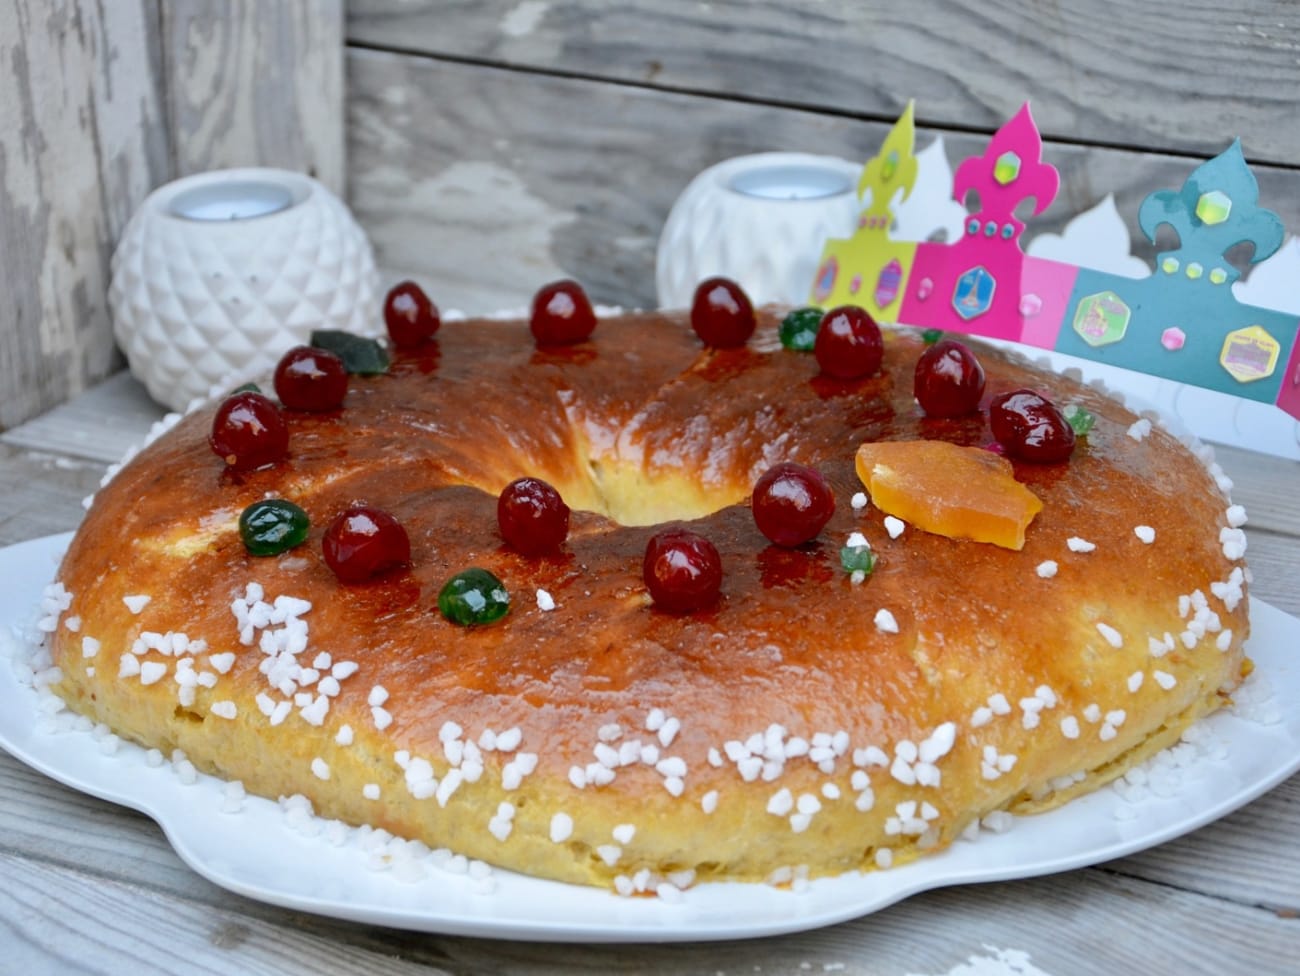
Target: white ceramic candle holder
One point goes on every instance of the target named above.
(218, 274)
(760, 220)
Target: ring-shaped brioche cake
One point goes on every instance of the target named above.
(790, 729)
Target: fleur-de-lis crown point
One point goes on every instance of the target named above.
(1216, 209)
(1010, 171)
(892, 171)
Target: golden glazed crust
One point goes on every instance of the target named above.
(787, 727)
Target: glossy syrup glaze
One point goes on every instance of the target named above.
(641, 428)
(434, 441)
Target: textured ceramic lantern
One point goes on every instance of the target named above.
(218, 274)
(760, 220)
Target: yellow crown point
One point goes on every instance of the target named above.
(892, 169)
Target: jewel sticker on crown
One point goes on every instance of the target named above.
(1180, 322)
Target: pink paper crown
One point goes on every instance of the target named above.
(1182, 322)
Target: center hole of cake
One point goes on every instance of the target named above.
(630, 496)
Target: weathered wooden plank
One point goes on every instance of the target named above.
(1272, 561)
(99, 425)
(1251, 854)
(484, 184)
(73, 914)
(108, 101)
(59, 920)
(1266, 486)
(80, 146)
(255, 83)
(42, 492)
(1244, 858)
(46, 821)
(1109, 72)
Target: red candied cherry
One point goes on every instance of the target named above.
(532, 516)
(562, 314)
(949, 380)
(682, 570)
(1030, 427)
(363, 542)
(410, 317)
(249, 432)
(722, 314)
(849, 344)
(308, 378)
(791, 503)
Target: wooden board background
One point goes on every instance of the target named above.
(494, 144)
(490, 145)
(102, 101)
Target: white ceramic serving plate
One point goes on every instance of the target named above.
(256, 853)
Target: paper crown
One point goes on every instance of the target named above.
(1181, 322)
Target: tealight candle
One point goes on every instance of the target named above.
(760, 220)
(792, 182)
(232, 200)
(219, 273)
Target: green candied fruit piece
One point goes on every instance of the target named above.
(857, 559)
(931, 336)
(799, 328)
(474, 596)
(273, 526)
(1079, 419)
(245, 388)
(361, 355)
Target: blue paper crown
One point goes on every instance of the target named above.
(1181, 323)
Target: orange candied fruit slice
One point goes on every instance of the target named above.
(958, 492)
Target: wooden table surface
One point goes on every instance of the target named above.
(86, 886)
